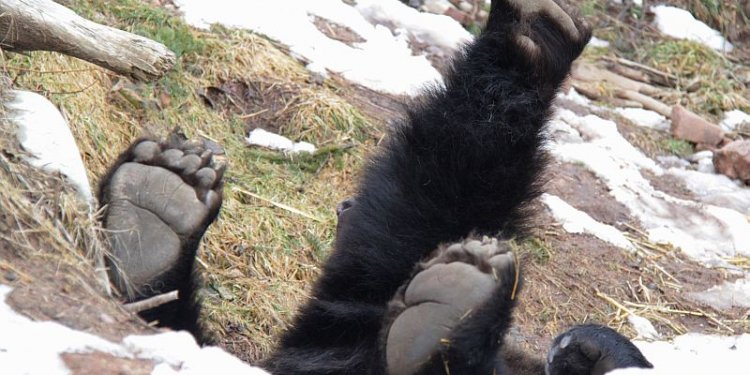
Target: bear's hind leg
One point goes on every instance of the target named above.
(451, 316)
(159, 198)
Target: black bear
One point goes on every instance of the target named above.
(421, 280)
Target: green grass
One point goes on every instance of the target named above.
(537, 248)
(677, 147)
(713, 86)
(589, 7)
(140, 18)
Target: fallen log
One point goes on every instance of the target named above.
(42, 25)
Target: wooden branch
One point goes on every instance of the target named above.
(647, 101)
(633, 74)
(656, 76)
(585, 89)
(34, 25)
(591, 73)
(152, 302)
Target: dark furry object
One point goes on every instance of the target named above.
(463, 163)
(466, 159)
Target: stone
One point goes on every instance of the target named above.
(465, 6)
(436, 6)
(733, 160)
(457, 15)
(688, 126)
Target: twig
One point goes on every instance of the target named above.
(152, 302)
(662, 270)
(277, 204)
(613, 302)
(717, 321)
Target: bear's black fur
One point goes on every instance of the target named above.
(464, 162)
(466, 159)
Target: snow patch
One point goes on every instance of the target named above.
(575, 97)
(679, 23)
(694, 354)
(644, 118)
(576, 221)
(433, 29)
(733, 119)
(726, 295)
(45, 134)
(33, 348)
(715, 189)
(178, 353)
(384, 62)
(28, 347)
(598, 43)
(260, 137)
(704, 232)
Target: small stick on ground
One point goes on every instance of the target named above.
(152, 302)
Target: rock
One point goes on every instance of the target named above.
(465, 6)
(457, 15)
(733, 160)
(436, 6)
(688, 126)
(482, 14)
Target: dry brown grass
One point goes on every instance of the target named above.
(260, 259)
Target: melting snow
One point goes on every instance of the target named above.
(436, 30)
(733, 119)
(260, 137)
(725, 296)
(45, 134)
(384, 62)
(715, 189)
(34, 348)
(644, 118)
(576, 221)
(28, 347)
(598, 43)
(694, 354)
(679, 23)
(704, 232)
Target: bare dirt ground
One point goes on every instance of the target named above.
(65, 293)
